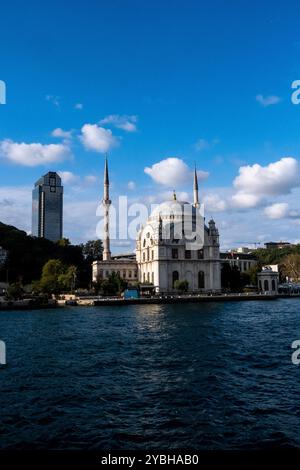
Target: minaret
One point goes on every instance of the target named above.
(106, 203)
(196, 196)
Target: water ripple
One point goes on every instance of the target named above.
(214, 376)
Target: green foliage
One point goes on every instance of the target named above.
(28, 255)
(275, 255)
(14, 291)
(92, 250)
(113, 285)
(278, 256)
(57, 277)
(181, 286)
(68, 279)
(63, 242)
(290, 266)
(252, 274)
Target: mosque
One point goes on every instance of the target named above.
(175, 244)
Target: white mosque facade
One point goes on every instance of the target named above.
(175, 244)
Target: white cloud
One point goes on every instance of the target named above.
(15, 206)
(131, 185)
(90, 180)
(203, 144)
(277, 210)
(33, 154)
(76, 181)
(68, 177)
(80, 220)
(78, 106)
(281, 210)
(180, 195)
(97, 138)
(55, 100)
(214, 203)
(172, 171)
(60, 133)
(242, 200)
(274, 179)
(255, 185)
(268, 100)
(124, 122)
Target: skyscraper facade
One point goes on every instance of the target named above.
(47, 207)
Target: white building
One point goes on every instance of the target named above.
(243, 261)
(162, 260)
(174, 245)
(268, 280)
(126, 267)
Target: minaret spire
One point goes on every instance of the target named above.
(196, 195)
(106, 203)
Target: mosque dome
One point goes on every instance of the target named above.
(173, 209)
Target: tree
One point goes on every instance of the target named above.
(113, 285)
(291, 266)
(28, 255)
(67, 280)
(226, 275)
(252, 273)
(57, 276)
(92, 250)
(14, 291)
(275, 255)
(232, 279)
(50, 276)
(181, 286)
(63, 242)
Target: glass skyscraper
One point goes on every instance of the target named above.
(47, 207)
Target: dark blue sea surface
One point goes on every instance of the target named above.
(199, 376)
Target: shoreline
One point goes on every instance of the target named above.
(183, 299)
(112, 302)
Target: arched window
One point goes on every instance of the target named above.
(260, 285)
(273, 284)
(266, 285)
(144, 242)
(175, 277)
(201, 280)
(144, 277)
(148, 254)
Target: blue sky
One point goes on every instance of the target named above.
(204, 81)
